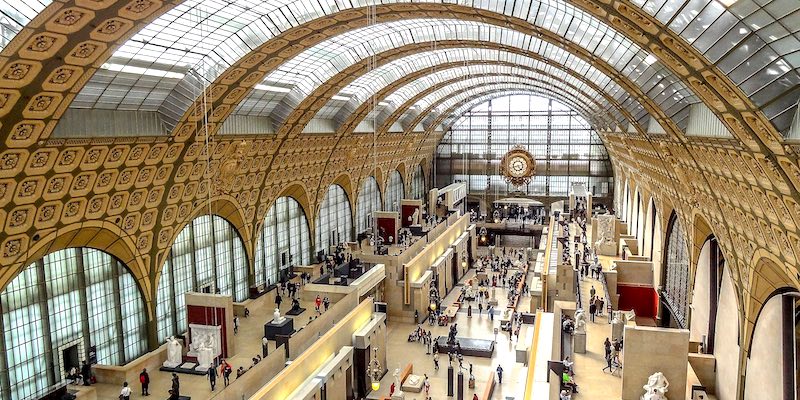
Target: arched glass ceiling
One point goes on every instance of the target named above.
(196, 41)
(432, 103)
(417, 86)
(587, 96)
(360, 89)
(480, 99)
(317, 64)
(447, 98)
(755, 42)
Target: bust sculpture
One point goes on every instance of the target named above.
(656, 387)
(276, 316)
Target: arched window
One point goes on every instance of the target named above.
(65, 303)
(284, 240)
(369, 201)
(676, 272)
(418, 184)
(394, 192)
(207, 256)
(334, 221)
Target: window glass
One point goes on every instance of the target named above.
(567, 150)
(334, 222)
(43, 315)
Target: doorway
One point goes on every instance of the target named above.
(71, 357)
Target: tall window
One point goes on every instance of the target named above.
(334, 221)
(418, 184)
(71, 299)
(566, 148)
(369, 201)
(676, 282)
(208, 256)
(283, 240)
(394, 192)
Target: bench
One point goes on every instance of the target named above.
(487, 392)
(405, 373)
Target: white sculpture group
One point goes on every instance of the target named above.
(656, 387)
(206, 344)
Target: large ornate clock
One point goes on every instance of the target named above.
(518, 166)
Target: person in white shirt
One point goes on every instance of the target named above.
(125, 393)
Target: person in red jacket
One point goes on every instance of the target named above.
(144, 379)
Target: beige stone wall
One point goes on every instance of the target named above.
(650, 350)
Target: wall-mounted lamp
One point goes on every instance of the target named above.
(374, 370)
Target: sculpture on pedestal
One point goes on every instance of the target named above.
(415, 217)
(399, 391)
(174, 353)
(206, 344)
(656, 387)
(276, 316)
(580, 321)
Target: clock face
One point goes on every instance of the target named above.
(517, 166)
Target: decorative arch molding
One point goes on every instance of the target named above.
(401, 168)
(343, 180)
(101, 235)
(224, 206)
(376, 173)
(767, 279)
(681, 58)
(298, 191)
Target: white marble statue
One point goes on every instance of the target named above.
(656, 387)
(415, 217)
(397, 385)
(206, 344)
(277, 318)
(205, 358)
(174, 353)
(580, 321)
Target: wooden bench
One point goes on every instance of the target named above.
(487, 392)
(408, 370)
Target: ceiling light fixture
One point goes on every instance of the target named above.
(142, 71)
(270, 88)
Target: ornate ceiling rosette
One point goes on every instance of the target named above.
(518, 166)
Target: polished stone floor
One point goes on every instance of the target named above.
(479, 326)
(248, 344)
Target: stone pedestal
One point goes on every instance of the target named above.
(579, 342)
(642, 358)
(286, 327)
(398, 395)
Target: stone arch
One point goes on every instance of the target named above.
(767, 279)
(100, 235)
(345, 181)
(296, 190)
(224, 206)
